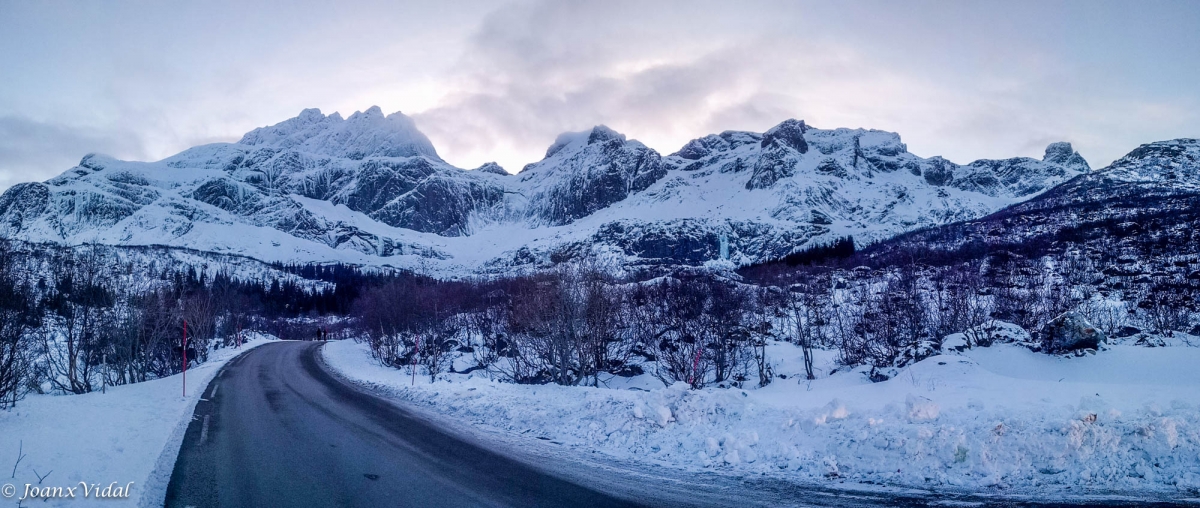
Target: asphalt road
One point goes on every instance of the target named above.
(276, 429)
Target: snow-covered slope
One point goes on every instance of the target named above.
(372, 189)
(364, 134)
(1143, 207)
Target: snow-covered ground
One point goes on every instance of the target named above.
(128, 434)
(999, 421)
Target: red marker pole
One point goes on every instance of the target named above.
(185, 358)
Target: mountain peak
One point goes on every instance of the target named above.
(1175, 160)
(789, 133)
(365, 134)
(602, 133)
(311, 115)
(1063, 154)
(598, 134)
(492, 167)
(373, 112)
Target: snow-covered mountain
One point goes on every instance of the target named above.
(1142, 209)
(372, 189)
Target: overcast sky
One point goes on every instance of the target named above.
(489, 80)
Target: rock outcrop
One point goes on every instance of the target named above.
(1070, 332)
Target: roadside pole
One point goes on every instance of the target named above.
(416, 358)
(695, 367)
(184, 358)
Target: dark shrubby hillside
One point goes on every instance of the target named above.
(1125, 255)
(75, 319)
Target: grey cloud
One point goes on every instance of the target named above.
(673, 71)
(539, 69)
(756, 113)
(964, 81)
(32, 150)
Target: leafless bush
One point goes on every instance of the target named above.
(1164, 308)
(961, 304)
(808, 306)
(16, 319)
(698, 328)
(565, 327)
(81, 301)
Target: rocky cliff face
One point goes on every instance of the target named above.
(1143, 206)
(586, 171)
(365, 134)
(372, 189)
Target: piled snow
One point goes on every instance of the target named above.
(128, 433)
(1002, 420)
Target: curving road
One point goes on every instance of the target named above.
(276, 429)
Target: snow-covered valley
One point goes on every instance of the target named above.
(542, 254)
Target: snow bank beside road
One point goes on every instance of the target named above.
(1001, 420)
(131, 433)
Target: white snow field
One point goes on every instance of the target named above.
(129, 433)
(999, 421)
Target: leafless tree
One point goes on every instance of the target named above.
(807, 305)
(81, 300)
(1163, 308)
(199, 311)
(961, 304)
(697, 327)
(548, 322)
(16, 319)
(667, 316)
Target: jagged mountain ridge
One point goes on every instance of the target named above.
(372, 189)
(1144, 205)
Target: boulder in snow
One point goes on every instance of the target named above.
(1127, 331)
(1070, 332)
